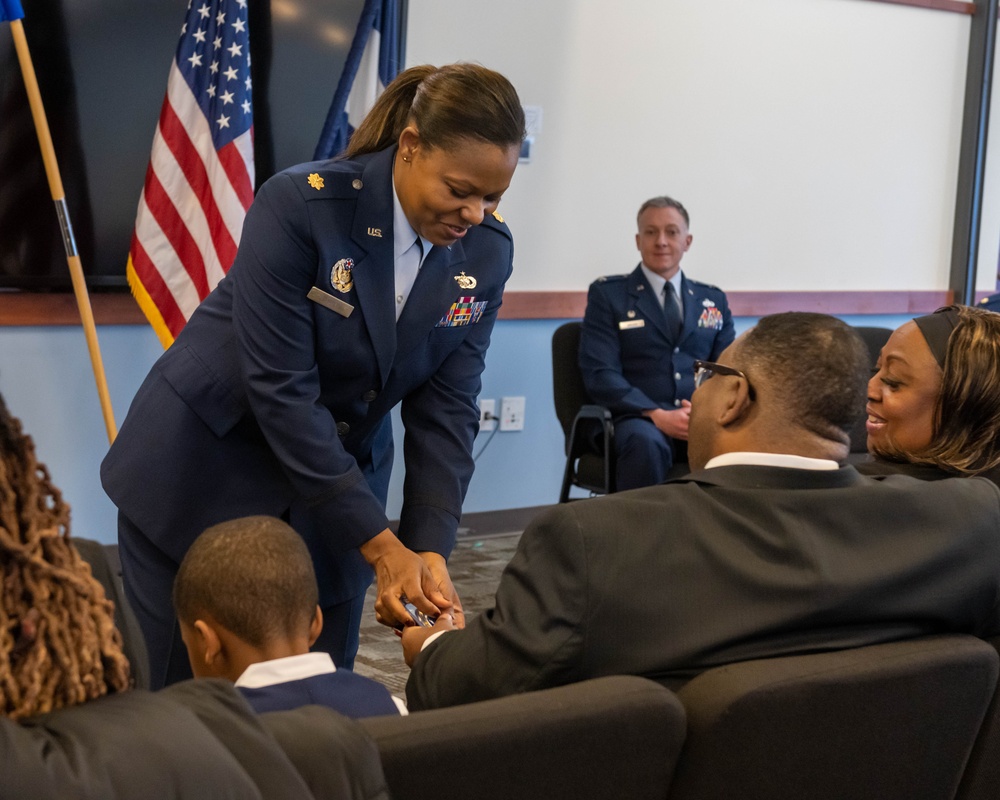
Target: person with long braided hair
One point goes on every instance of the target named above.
(58, 643)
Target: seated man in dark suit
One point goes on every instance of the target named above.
(769, 547)
(247, 600)
(641, 334)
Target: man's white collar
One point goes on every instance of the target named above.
(771, 460)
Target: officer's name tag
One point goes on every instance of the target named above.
(327, 300)
(628, 324)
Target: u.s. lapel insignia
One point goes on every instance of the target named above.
(376, 232)
(465, 281)
(315, 180)
(340, 275)
(497, 217)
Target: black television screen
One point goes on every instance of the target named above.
(102, 69)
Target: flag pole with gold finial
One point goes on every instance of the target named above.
(11, 11)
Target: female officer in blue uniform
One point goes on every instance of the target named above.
(361, 282)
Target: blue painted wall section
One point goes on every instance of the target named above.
(46, 379)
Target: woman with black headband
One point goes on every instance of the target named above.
(934, 400)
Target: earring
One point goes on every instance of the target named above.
(406, 159)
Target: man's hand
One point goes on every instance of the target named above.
(401, 572)
(672, 423)
(414, 637)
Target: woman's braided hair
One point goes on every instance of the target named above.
(58, 642)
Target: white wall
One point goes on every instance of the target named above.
(814, 142)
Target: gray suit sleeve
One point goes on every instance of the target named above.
(531, 639)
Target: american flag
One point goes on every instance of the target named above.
(199, 183)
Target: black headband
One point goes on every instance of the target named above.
(937, 328)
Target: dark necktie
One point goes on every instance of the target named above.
(671, 311)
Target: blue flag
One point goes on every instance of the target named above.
(10, 10)
(371, 64)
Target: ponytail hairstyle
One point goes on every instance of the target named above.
(58, 642)
(445, 104)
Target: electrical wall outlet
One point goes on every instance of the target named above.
(487, 415)
(512, 413)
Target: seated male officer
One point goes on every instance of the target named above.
(641, 334)
(769, 547)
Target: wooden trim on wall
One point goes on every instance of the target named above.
(958, 6)
(570, 305)
(59, 308)
(755, 304)
(31, 309)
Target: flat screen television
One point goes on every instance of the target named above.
(102, 69)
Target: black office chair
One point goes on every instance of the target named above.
(588, 428)
(875, 338)
(895, 720)
(106, 569)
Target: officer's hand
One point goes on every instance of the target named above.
(442, 583)
(400, 572)
(673, 423)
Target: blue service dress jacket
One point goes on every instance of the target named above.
(629, 360)
(344, 691)
(275, 397)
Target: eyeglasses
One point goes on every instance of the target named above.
(703, 370)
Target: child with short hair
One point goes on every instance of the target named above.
(246, 599)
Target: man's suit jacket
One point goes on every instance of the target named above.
(925, 472)
(630, 362)
(725, 565)
(271, 402)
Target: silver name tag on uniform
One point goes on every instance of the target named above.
(628, 324)
(327, 300)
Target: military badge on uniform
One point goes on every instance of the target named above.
(340, 275)
(711, 317)
(497, 217)
(464, 311)
(317, 295)
(465, 281)
(315, 180)
(376, 232)
(631, 321)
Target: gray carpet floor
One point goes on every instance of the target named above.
(475, 566)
